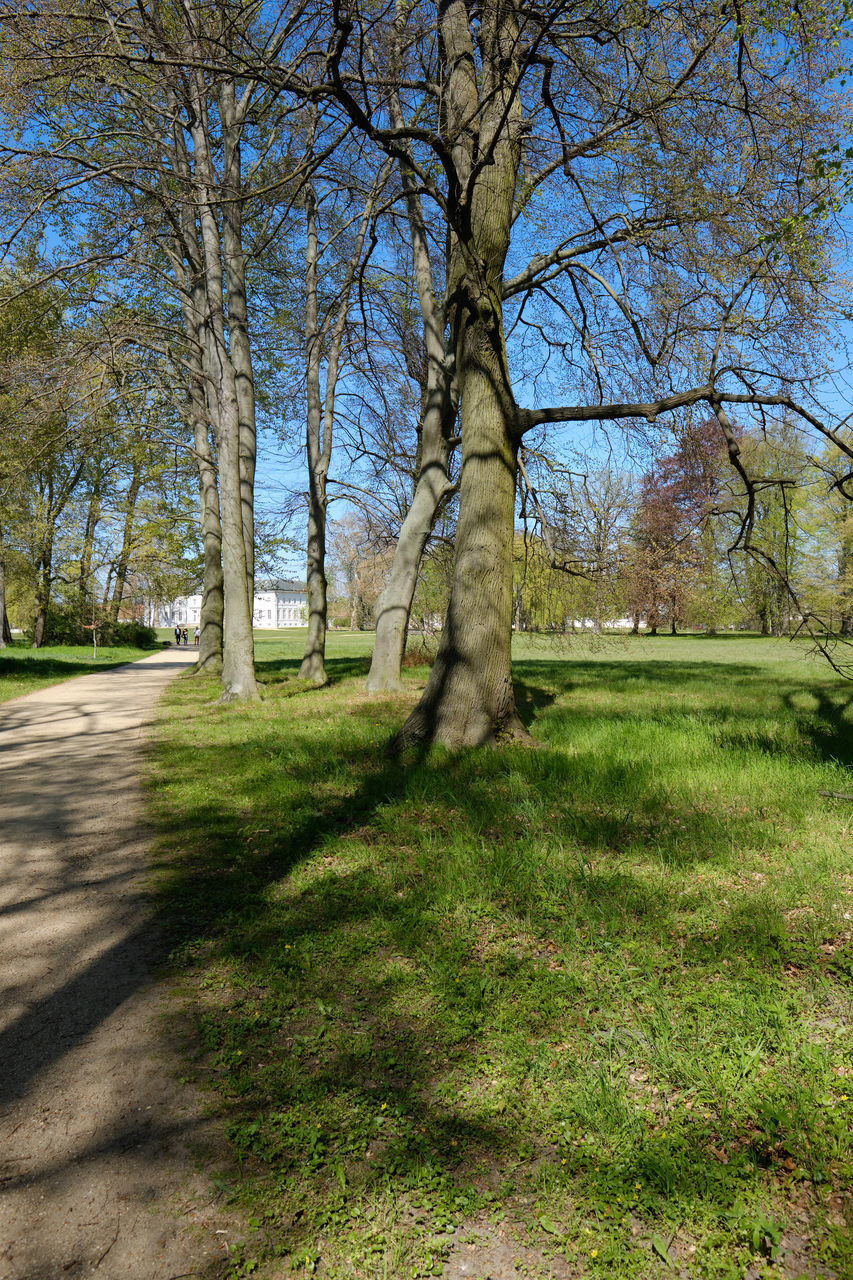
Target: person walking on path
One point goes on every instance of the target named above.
(196, 636)
(96, 1176)
(177, 633)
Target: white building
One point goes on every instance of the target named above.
(277, 604)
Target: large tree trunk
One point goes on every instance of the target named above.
(468, 700)
(187, 256)
(238, 665)
(313, 666)
(238, 660)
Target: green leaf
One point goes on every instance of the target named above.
(547, 1225)
(659, 1246)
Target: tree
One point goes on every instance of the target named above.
(359, 568)
(324, 337)
(674, 145)
(436, 436)
(772, 515)
(582, 517)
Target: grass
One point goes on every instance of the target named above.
(23, 669)
(584, 1010)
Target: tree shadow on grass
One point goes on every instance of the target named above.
(403, 949)
(829, 728)
(275, 671)
(56, 669)
(751, 697)
(531, 700)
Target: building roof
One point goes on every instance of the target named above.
(280, 584)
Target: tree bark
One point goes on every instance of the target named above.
(210, 622)
(238, 665)
(187, 264)
(43, 585)
(320, 422)
(240, 346)
(468, 700)
(126, 541)
(318, 452)
(5, 629)
(93, 514)
(438, 416)
(394, 606)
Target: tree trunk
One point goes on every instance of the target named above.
(43, 584)
(395, 603)
(5, 629)
(93, 514)
(468, 700)
(126, 540)
(238, 315)
(238, 659)
(238, 664)
(320, 423)
(438, 416)
(210, 623)
(846, 625)
(202, 411)
(313, 666)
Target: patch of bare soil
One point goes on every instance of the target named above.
(486, 1250)
(100, 1166)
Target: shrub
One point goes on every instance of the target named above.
(66, 625)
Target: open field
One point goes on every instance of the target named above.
(583, 1010)
(23, 669)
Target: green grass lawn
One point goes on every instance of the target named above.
(584, 1009)
(23, 669)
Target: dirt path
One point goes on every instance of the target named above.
(95, 1177)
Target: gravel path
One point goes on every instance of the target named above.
(95, 1174)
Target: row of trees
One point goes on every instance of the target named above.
(446, 236)
(662, 550)
(655, 550)
(89, 506)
